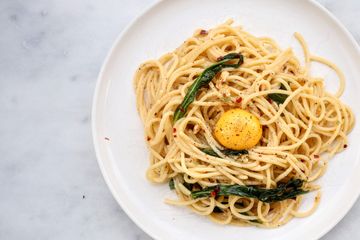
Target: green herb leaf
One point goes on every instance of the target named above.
(279, 98)
(172, 184)
(204, 79)
(227, 152)
(284, 191)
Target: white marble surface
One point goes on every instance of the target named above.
(50, 55)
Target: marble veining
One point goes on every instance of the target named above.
(50, 56)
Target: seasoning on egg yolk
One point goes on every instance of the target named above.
(238, 129)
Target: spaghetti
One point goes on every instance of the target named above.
(299, 135)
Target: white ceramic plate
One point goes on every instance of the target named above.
(123, 158)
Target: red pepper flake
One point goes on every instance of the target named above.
(148, 138)
(175, 136)
(220, 58)
(215, 192)
(345, 146)
(238, 100)
(107, 139)
(174, 130)
(270, 100)
(182, 109)
(203, 32)
(316, 156)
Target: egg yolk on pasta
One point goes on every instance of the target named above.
(238, 129)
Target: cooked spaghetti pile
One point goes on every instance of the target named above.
(303, 126)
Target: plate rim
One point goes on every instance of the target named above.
(94, 119)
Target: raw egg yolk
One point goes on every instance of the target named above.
(238, 129)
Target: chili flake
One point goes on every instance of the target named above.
(215, 192)
(238, 100)
(203, 32)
